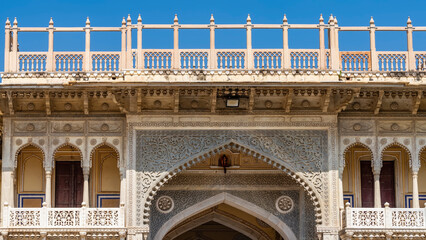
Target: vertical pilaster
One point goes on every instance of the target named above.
(377, 198)
(7, 45)
(50, 60)
(123, 45)
(86, 172)
(322, 57)
(249, 64)
(140, 61)
(86, 60)
(212, 58)
(176, 57)
(334, 49)
(415, 190)
(411, 58)
(373, 66)
(129, 52)
(122, 185)
(48, 187)
(286, 51)
(7, 190)
(14, 53)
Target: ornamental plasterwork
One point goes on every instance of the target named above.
(159, 152)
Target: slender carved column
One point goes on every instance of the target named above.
(373, 56)
(50, 60)
(123, 45)
(176, 62)
(48, 187)
(7, 46)
(140, 61)
(86, 172)
(286, 52)
(87, 66)
(249, 26)
(377, 199)
(322, 57)
(415, 190)
(14, 53)
(129, 53)
(122, 185)
(411, 60)
(212, 59)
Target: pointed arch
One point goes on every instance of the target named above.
(233, 201)
(70, 145)
(92, 152)
(355, 144)
(397, 144)
(309, 188)
(18, 151)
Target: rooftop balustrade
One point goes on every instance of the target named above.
(324, 58)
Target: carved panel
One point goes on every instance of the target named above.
(30, 126)
(68, 127)
(395, 126)
(356, 126)
(105, 127)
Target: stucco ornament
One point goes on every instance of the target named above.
(284, 204)
(165, 204)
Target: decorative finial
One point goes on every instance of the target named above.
(409, 21)
(129, 19)
(175, 20)
(123, 22)
(371, 21)
(211, 19)
(321, 19)
(139, 19)
(335, 20)
(15, 22)
(7, 21)
(51, 22)
(331, 19)
(248, 19)
(285, 19)
(87, 22)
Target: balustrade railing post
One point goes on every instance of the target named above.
(374, 61)
(411, 57)
(14, 66)
(50, 61)
(322, 57)
(44, 216)
(140, 62)
(213, 57)
(7, 46)
(123, 45)
(121, 215)
(87, 66)
(348, 214)
(6, 214)
(129, 52)
(388, 216)
(175, 55)
(83, 213)
(249, 59)
(286, 51)
(334, 50)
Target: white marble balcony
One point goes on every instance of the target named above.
(51, 221)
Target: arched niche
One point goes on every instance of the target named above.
(105, 177)
(30, 177)
(421, 179)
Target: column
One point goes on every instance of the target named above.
(48, 187)
(86, 172)
(7, 46)
(212, 58)
(50, 61)
(140, 61)
(123, 46)
(14, 52)
(176, 57)
(286, 52)
(122, 185)
(377, 199)
(322, 56)
(411, 61)
(415, 190)
(249, 64)
(373, 63)
(129, 52)
(87, 66)
(334, 51)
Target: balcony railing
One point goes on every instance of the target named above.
(384, 218)
(323, 59)
(63, 218)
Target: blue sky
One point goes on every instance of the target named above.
(110, 13)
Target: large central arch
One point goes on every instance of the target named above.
(235, 202)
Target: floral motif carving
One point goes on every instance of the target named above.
(165, 204)
(284, 204)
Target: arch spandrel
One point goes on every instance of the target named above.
(163, 154)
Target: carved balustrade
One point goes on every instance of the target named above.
(63, 218)
(384, 218)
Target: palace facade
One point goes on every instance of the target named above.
(213, 143)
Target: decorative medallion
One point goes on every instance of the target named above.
(67, 106)
(18, 141)
(79, 141)
(104, 127)
(383, 141)
(165, 204)
(93, 142)
(105, 106)
(30, 106)
(395, 127)
(115, 142)
(55, 141)
(30, 127)
(394, 105)
(284, 204)
(357, 127)
(306, 104)
(422, 142)
(41, 142)
(406, 141)
(346, 141)
(356, 106)
(194, 104)
(157, 103)
(268, 104)
(67, 127)
(368, 141)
